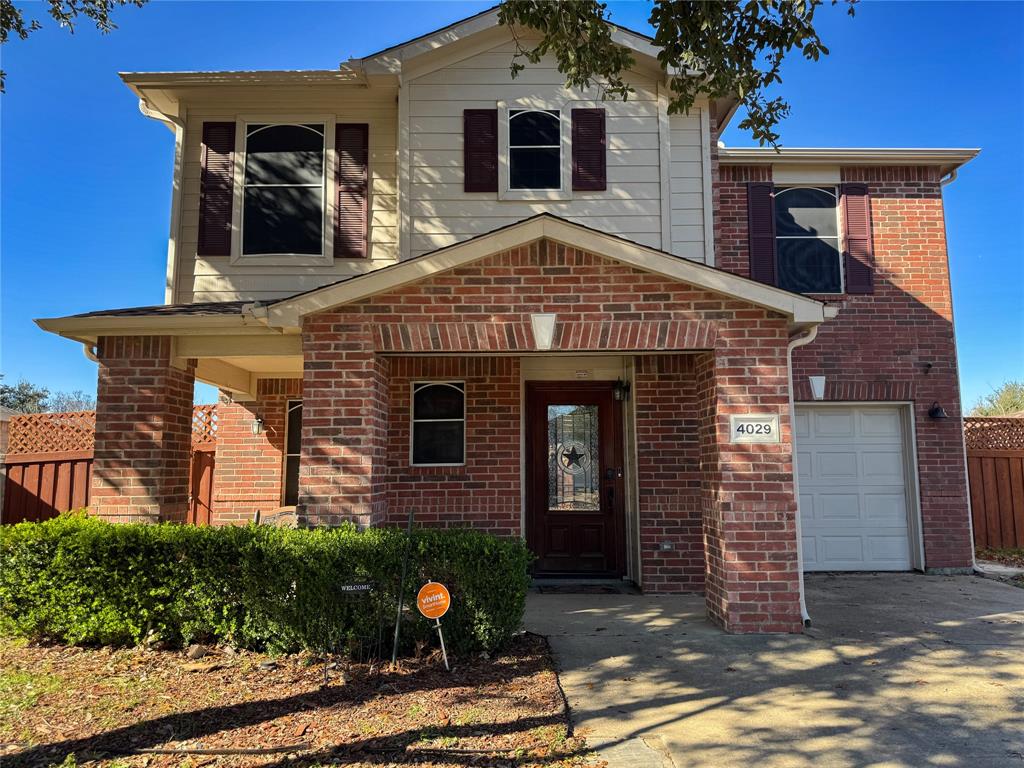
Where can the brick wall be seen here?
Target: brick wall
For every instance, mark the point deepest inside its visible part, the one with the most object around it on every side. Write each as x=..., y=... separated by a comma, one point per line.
x=143, y=431
x=896, y=344
x=249, y=468
x=353, y=386
x=668, y=473
x=486, y=492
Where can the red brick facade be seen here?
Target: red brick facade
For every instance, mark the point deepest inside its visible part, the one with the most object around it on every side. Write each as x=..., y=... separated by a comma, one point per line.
x=249, y=467
x=485, y=493
x=355, y=399
x=143, y=431
x=894, y=345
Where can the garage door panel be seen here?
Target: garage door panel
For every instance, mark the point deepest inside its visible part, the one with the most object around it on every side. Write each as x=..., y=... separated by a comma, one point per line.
x=882, y=466
x=887, y=549
x=833, y=422
x=853, y=499
x=835, y=464
x=840, y=506
x=886, y=508
x=841, y=549
x=802, y=424
x=884, y=422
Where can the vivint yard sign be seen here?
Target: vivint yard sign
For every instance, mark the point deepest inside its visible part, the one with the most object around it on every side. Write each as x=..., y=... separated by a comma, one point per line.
x=754, y=428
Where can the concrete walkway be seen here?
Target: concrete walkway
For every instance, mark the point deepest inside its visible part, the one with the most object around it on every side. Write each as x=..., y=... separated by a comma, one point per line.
x=897, y=670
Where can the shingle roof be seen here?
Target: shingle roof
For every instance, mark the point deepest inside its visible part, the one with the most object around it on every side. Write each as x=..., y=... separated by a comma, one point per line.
x=173, y=310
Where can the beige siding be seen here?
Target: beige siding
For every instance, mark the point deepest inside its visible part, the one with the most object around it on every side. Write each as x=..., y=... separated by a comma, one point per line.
x=440, y=213
x=686, y=171
x=215, y=278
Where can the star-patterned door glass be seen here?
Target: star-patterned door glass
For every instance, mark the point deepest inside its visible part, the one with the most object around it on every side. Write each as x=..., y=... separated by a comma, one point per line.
x=573, y=467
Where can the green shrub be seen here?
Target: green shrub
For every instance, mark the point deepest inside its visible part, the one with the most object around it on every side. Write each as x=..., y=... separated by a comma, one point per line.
x=79, y=580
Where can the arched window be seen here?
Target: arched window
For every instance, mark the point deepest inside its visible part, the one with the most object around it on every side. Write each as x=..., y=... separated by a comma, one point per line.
x=807, y=240
x=283, y=190
x=534, y=149
x=438, y=423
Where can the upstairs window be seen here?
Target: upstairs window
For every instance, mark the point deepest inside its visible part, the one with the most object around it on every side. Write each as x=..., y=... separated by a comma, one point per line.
x=283, y=190
x=438, y=423
x=808, y=253
x=535, y=149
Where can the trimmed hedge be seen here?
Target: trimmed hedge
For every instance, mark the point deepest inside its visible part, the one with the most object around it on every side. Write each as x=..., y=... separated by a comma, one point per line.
x=79, y=580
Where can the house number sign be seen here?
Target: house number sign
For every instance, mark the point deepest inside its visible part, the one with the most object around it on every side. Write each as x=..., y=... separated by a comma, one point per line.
x=754, y=428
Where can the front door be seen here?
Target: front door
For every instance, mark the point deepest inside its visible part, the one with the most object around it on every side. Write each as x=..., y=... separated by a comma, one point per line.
x=574, y=479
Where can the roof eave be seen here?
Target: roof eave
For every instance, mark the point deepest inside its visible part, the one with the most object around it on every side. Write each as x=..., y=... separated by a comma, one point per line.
x=88, y=329
x=947, y=159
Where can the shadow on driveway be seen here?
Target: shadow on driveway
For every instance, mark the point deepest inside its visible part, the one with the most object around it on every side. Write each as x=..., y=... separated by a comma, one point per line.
x=897, y=670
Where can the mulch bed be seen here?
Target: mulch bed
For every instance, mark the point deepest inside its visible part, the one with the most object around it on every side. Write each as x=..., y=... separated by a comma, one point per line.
x=105, y=706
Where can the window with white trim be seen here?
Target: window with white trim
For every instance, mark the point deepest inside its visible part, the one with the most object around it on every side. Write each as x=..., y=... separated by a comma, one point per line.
x=807, y=248
x=438, y=423
x=534, y=149
x=283, y=189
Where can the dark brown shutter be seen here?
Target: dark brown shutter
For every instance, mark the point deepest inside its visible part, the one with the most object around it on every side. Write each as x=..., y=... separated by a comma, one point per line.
x=858, y=250
x=589, y=164
x=216, y=189
x=761, y=229
x=352, y=187
x=480, y=150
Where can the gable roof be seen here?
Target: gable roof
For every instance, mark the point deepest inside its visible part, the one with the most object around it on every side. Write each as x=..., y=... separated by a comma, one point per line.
x=391, y=58
x=287, y=313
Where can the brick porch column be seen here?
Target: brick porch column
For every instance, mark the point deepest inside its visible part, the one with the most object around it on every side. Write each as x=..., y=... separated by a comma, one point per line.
x=342, y=475
x=250, y=468
x=143, y=431
x=747, y=492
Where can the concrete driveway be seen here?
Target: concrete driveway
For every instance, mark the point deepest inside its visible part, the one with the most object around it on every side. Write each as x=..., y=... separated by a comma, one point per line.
x=897, y=670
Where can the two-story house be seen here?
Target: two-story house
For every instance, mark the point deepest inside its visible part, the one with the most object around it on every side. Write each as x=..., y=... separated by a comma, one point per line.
x=422, y=285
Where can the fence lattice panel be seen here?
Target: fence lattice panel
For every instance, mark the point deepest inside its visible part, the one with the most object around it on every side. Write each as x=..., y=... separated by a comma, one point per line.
x=994, y=434
x=995, y=468
x=52, y=432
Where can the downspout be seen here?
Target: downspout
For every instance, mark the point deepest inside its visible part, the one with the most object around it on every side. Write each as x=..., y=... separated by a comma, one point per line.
x=794, y=342
x=176, y=124
x=949, y=178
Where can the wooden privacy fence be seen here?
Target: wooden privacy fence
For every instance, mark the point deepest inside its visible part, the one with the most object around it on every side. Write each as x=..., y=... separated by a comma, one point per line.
x=48, y=465
x=995, y=467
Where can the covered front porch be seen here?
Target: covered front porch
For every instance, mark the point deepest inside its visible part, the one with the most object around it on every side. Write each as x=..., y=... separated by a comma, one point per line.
x=545, y=381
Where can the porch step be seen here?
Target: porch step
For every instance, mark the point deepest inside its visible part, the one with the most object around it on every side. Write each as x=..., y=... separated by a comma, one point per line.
x=583, y=587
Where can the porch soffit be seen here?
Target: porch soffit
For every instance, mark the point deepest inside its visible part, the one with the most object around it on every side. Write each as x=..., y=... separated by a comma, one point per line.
x=287, y=313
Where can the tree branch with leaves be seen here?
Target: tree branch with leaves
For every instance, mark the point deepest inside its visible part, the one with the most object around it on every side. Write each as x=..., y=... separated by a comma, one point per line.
x=719, y=49
x=65, y=12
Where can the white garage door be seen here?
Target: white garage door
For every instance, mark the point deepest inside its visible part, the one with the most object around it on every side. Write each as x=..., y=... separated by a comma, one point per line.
x=853, y=491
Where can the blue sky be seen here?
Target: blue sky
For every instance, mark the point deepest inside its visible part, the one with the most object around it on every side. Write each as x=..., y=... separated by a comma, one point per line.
x=86, y=180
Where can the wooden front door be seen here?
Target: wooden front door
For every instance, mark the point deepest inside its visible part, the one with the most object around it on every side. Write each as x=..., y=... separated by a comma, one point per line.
x=574, y=479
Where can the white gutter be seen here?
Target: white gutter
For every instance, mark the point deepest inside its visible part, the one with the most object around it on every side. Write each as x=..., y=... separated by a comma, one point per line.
x=799, y=341
x=176, y=124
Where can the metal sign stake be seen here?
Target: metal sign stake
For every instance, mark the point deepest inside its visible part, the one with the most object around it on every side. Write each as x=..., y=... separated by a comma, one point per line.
x=444, y=652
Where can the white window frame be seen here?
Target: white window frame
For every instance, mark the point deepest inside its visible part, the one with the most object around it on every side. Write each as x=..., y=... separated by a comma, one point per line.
x=290, y=405
x=839, y=234
x=326, y=255
x=564, y=109
x=413, y=420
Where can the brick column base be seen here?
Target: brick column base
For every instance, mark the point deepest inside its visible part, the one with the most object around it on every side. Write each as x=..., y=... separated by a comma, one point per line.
x=747, y=495
x=143, y=431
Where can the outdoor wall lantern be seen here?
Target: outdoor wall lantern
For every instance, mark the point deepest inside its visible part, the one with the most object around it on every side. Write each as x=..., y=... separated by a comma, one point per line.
x=817, y=387
x=937, y=411
x=621, y=390
x=257, y=426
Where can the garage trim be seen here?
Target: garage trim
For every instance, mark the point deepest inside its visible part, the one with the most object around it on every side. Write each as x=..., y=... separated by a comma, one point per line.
x=908, y=424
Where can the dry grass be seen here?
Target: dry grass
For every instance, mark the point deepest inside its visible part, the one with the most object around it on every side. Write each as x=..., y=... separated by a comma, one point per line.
x=104, y=706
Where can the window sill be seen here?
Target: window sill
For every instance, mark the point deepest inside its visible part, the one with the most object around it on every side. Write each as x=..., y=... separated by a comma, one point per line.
x=282, y=260
x=535, y=194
